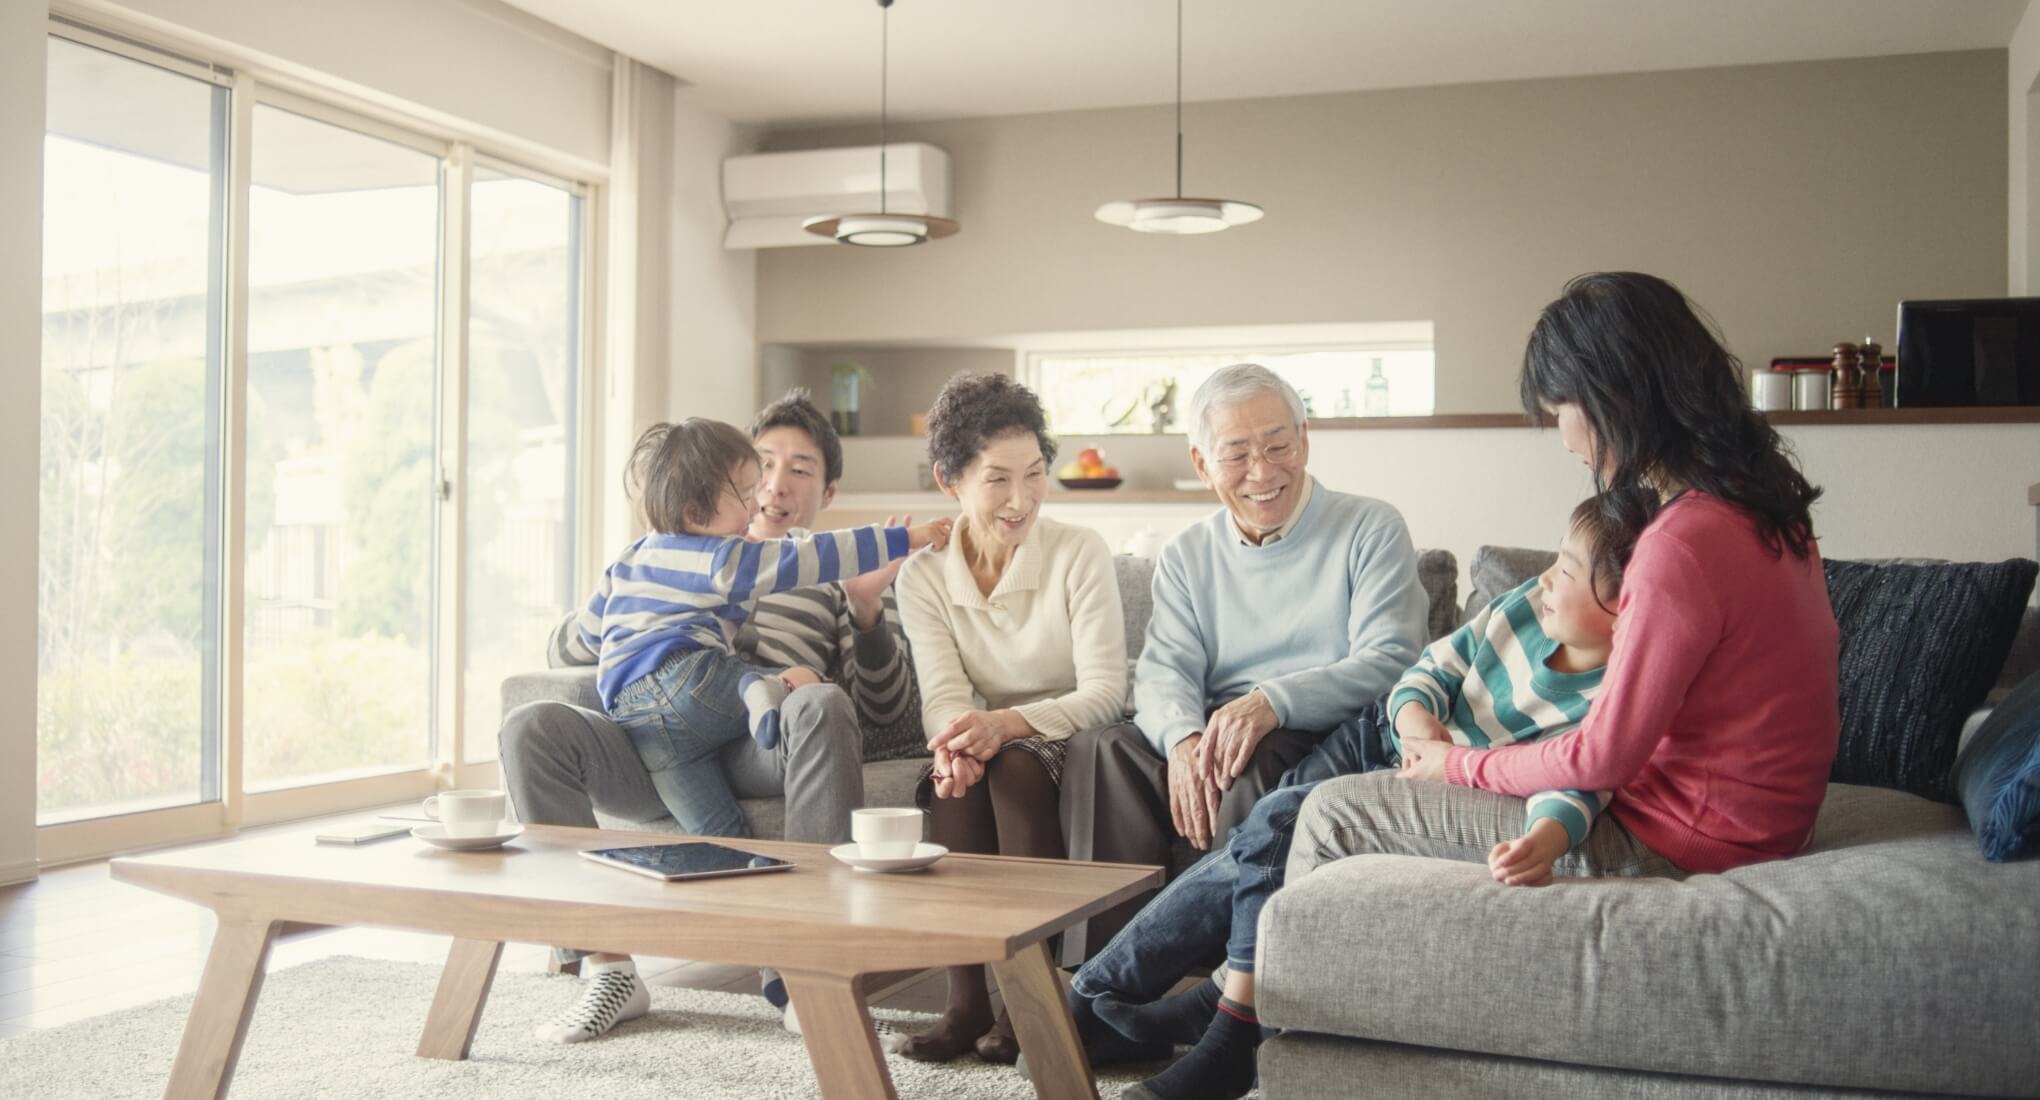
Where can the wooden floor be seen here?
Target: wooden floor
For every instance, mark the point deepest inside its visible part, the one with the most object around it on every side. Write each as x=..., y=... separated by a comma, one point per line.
x=76, y=944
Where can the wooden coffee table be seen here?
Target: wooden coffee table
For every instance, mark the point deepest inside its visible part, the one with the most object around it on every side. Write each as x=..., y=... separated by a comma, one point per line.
x=822, y=924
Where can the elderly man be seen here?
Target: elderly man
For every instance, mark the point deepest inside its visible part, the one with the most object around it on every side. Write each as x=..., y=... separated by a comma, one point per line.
x=1275, y=620
x=563, y=763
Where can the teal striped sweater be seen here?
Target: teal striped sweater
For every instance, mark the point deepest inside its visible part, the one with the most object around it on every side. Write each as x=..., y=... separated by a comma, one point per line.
x=1488, y=684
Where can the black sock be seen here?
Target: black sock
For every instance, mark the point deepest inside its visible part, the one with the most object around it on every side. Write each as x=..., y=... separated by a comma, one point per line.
x=1178, y=1019
x=1219, y=1067
x=1105, y=1046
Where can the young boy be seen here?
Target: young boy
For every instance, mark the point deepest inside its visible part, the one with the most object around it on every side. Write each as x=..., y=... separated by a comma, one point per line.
x=1526, y=666
x=660, y=623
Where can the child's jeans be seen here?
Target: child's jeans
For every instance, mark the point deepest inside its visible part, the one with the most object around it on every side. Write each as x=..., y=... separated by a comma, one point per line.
x=680, y=717
x=1217, y=902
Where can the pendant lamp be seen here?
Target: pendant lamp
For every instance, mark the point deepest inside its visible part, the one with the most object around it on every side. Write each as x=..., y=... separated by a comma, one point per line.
x=1179, y=215
x=883, y=229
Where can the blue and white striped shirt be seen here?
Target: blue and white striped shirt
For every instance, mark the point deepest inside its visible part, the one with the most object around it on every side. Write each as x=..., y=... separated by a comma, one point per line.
x=669, y=593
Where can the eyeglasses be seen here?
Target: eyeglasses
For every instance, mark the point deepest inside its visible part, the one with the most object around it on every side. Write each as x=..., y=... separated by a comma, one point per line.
x=1282, y=452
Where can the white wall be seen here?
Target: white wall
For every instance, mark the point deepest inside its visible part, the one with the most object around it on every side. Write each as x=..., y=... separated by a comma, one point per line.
x=714, y=293
x=481, y=64
x=1798, y=202
x=23, y=58
x=2022, y=120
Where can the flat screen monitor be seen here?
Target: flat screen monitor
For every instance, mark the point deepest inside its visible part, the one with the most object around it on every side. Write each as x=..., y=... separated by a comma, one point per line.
x=1975, y=351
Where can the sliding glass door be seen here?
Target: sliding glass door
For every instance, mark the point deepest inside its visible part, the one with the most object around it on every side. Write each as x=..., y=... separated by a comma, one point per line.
x=343, y=373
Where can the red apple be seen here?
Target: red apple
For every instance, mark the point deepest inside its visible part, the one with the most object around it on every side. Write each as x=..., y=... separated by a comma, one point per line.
x=1089, y=456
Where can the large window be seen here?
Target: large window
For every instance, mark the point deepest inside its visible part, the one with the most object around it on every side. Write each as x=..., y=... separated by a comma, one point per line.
x=1131, y=391
x=133, y=284
x=263, y=317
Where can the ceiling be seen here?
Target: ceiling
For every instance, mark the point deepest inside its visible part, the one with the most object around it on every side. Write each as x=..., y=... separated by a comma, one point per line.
x=791, y=63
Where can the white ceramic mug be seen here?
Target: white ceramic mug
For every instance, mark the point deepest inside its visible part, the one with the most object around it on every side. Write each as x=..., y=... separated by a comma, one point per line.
x=886, y=832
x=467, y=813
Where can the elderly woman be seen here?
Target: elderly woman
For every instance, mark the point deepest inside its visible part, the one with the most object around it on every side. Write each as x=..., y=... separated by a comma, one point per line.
x=1018, y=642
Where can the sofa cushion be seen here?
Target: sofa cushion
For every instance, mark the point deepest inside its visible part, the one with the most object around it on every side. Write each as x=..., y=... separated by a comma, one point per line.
x=1497, y=569
x=1998, y=776
x=1920, y=647
x=1888, y=955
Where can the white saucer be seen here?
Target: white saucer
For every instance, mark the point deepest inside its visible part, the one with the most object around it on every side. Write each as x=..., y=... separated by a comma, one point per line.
x=435, y=835
x=924, y=855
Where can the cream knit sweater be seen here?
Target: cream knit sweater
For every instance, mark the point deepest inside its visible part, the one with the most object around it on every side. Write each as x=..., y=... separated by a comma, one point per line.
x=1049, y=642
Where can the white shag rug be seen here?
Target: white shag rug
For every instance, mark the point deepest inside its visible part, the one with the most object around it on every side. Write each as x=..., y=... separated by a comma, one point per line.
x=349, y=1027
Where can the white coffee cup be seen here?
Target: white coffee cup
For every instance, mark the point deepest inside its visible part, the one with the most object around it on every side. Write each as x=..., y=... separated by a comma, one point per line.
x=886, y=832
x=467, y=813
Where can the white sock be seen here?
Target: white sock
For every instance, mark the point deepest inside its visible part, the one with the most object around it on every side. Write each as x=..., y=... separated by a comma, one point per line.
x=762, y=696
x=612, y=994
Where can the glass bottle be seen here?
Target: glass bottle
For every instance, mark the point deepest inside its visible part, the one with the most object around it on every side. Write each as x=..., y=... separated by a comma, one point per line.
x=1377, y=391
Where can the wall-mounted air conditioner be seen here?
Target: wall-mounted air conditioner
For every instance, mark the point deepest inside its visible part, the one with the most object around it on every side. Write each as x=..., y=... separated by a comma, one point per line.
x=768, y=195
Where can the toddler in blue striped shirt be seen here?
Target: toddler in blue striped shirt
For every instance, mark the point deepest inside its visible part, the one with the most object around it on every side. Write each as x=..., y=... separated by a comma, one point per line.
x=661, y=620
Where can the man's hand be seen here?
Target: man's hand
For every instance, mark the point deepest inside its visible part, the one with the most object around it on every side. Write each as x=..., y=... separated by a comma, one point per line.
x=867, y=590
x=1193, y=798
x=1527, y=860
x=1425, y=760
x=1231, y=735
x=1414, y=723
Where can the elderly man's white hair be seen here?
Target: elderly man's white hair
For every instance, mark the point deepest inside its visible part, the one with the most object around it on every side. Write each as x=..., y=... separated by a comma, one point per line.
x=1231, y=385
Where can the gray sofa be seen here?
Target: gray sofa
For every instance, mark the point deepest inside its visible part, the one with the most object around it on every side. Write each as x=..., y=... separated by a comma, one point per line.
x=1888, y=958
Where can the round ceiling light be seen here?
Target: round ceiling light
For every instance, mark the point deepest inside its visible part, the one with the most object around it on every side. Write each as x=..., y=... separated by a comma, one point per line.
x=1180, y=216
x=884, y=229
x=881, y=230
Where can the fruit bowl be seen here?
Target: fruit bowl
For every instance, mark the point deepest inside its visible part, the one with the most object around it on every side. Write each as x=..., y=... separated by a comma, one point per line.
x=1090, y=482
x=1088, y=471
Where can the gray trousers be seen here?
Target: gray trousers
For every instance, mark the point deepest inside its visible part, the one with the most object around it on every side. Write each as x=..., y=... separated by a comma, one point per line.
x=563, y=764
x=1381, y=813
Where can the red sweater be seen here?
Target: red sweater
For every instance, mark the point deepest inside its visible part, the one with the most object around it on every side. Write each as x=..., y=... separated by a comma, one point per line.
x=1718, y=716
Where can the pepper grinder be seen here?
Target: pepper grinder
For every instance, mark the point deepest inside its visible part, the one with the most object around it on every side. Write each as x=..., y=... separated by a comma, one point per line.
x=1848, y=386
x=1871, y=395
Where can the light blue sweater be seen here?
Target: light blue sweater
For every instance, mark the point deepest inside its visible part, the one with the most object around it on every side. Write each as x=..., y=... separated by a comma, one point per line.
x=1323, y=621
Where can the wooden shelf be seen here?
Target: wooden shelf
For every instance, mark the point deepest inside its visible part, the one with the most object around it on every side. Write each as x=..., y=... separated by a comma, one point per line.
x=937, y=502
x=1981, y=414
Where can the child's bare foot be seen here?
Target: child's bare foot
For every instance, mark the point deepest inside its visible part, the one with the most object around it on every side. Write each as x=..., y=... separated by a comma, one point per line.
x=1527, y=860
x=798, y=677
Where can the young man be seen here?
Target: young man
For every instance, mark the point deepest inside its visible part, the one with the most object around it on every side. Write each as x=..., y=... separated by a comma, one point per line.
x=563, y=763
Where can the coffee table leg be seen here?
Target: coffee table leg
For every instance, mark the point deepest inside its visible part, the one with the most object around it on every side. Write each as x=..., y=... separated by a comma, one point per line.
x=457, y=1007
x=848, y=1062
x=1041, y=1020
x=219, y=1015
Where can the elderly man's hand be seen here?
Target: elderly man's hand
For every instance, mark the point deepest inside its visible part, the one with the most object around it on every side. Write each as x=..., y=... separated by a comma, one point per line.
x=1425, y=760
x=1231, y=735
x=1193, y=798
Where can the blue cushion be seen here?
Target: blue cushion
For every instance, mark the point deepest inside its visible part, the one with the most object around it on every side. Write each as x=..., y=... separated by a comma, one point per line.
x=1998, y=776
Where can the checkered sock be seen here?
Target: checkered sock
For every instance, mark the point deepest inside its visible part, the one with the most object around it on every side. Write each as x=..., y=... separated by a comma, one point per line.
x=612, y=994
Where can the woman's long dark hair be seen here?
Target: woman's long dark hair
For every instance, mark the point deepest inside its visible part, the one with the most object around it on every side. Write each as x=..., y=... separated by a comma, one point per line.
x=1665, y=400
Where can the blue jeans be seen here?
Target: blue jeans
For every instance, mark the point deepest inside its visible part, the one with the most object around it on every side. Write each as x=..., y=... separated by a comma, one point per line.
x=1216, y=904
x=680, y=717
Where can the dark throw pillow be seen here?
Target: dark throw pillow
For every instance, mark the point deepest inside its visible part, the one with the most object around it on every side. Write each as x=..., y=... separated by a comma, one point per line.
x=1998, y=776
x=1920, y=647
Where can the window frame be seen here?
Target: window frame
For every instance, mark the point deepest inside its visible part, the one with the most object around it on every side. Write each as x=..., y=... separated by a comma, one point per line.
x=249, y=83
